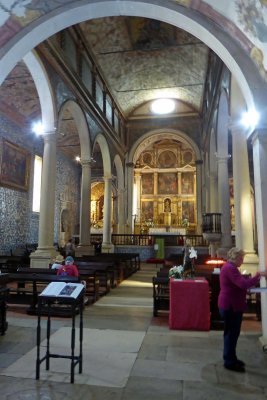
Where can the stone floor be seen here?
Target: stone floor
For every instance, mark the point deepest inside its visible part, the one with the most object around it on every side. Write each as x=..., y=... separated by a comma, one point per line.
x=130, y=355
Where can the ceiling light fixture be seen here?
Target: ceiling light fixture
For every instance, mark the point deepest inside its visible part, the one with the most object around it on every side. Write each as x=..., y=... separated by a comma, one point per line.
x=38, y=128
x=250, y=119
x=163, y=106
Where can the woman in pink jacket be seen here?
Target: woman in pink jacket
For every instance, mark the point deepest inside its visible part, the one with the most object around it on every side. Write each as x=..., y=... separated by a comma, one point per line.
x=232, y=304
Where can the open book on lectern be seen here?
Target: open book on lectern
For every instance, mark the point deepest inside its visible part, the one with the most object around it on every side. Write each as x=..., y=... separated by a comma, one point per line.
x=63, y=289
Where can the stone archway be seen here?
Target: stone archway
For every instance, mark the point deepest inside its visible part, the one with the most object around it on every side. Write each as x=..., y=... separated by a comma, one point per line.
x=221, y=42
x=139, y=146
x=79, y=118
x=104, y=148
x=45, y=252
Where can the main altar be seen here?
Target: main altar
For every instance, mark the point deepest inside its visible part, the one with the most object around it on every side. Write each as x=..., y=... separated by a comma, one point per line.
x=164, y=200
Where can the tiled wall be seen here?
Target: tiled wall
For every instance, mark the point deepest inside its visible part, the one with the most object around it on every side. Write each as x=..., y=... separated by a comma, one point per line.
x=18, y=224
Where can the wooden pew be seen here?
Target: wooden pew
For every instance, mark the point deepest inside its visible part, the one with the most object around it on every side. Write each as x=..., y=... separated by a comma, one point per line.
x=92, y=282
x=161, y=294
x=34, y=283
x=118, y=266
x=103, y=271
x=4, y=292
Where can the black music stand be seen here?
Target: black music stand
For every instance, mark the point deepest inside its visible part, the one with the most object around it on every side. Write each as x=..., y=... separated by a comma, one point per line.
x=48, y=300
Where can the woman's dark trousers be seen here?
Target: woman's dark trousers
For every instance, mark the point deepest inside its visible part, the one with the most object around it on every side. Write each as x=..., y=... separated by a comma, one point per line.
x=232, y=327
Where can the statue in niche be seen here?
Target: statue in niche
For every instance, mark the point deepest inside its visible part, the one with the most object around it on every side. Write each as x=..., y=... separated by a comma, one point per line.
x=167, y=205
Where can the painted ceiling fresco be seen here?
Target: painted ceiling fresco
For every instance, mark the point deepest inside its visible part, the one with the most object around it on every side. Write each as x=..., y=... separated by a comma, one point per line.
x=140, y=58
x=245, y=19
x=143, y=59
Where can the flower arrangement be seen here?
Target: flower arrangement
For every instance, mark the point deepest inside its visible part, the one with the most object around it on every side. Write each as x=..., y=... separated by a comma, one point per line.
x=149, y=223
x=185, y=223
x=176, y=272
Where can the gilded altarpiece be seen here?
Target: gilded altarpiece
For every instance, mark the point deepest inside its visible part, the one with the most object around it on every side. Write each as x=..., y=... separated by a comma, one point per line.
x=168, y=186
x=147, y=183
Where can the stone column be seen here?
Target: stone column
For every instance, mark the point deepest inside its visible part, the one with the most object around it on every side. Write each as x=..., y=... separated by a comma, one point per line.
x=85, y=207
x=46, y=251
x=242, y=199
x=213, y=195
x=107, y=246
x=130, y=167
x=120, y=211
x=199, y=164
x=224, y=205
x=259, y=142
x=138, y=197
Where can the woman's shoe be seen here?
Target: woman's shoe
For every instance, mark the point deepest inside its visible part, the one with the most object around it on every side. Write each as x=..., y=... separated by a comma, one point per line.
x=235, y=367
x=240, y=362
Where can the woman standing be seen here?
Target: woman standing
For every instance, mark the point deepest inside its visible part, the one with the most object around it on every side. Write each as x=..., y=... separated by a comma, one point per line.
x=232, y=304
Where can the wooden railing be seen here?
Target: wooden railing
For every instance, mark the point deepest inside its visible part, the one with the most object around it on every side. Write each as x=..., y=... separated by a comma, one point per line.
x=150, y=240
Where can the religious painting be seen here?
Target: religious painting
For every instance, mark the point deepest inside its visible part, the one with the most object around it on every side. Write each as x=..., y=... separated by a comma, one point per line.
x=167, y=159
x=167, y=183
x=147, y=183
x=188, y=211
x=147, y=210
x=147, y=159
x=188, y=157
x=150, y=34
x=187, y=182
x=14, y=166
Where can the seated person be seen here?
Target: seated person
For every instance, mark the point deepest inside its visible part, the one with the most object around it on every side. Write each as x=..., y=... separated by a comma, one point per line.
x=69, y=269
x=57, y=262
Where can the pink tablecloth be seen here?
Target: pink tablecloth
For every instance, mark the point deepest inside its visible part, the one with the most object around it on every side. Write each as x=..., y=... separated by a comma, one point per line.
x=189, y=305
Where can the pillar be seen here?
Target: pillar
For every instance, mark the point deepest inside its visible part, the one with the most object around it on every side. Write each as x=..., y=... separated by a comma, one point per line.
x=259, y=142
x=120, y=211
x=107, y=246
x=85, y=206
x=242, y=199
x=46, y=251
x=224, y=205
x=199, y=164
x=138, y=197
x=130, y=167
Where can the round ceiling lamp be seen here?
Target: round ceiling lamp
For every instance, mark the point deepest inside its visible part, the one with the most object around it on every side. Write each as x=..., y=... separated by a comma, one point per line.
x=163, y=106
x=250, y=119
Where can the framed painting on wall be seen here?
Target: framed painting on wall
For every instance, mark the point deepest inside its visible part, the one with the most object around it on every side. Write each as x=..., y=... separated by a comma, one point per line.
x=187, y=182
x=147, y=210
x=14, y=166
x=167, y=183
x=188, y=211
x=147, y=183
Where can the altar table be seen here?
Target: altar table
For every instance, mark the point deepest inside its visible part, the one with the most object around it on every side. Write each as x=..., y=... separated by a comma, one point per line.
x=189, y=304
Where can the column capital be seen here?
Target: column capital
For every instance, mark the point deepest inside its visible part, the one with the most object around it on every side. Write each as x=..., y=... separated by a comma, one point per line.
x=107, y=177
x=49, y=137
x=85, y=163
x=130, y=165
x=222, y=158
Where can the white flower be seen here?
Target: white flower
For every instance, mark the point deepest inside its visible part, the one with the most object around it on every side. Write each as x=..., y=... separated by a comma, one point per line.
x=176, y=272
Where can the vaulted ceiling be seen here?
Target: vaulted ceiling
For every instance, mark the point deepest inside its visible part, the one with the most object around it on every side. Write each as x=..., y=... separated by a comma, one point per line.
x=141, y=60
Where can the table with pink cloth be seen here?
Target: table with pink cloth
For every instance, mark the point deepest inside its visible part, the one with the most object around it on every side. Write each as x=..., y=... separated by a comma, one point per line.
x=189, y=304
